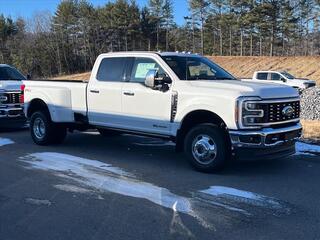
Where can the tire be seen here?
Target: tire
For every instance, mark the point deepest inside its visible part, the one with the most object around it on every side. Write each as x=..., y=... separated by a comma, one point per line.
x=206, y=148
x=108, y=133
x=44, y=131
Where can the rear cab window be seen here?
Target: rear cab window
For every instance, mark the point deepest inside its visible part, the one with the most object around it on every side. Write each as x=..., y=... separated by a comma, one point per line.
x=112, y=69
x=262, y=76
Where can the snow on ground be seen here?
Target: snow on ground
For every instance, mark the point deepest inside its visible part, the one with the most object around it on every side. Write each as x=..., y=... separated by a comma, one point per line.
x=5, y=141
x=242, y=196
x=86, y=176
x=307, y=149
x=104, y=177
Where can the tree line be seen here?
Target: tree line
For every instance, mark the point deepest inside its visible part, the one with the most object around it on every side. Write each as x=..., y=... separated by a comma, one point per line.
x=69, y=40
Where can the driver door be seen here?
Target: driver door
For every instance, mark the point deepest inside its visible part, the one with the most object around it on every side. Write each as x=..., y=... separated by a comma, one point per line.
x=145, y=109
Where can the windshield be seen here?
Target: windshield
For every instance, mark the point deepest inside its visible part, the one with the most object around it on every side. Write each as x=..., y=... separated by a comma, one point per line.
x=287, y=75
x=196, y=68
x=9, y=73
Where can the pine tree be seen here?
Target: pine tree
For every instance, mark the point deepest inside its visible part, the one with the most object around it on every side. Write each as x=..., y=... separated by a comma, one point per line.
x=199, y=9
x=156, y=10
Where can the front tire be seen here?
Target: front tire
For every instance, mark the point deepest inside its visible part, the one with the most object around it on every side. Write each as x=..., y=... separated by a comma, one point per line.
x=44, y=131
x=206, y=147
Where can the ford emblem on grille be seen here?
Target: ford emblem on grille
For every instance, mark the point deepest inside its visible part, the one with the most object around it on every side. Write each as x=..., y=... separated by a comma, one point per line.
x=287, y=111
x=3, y=98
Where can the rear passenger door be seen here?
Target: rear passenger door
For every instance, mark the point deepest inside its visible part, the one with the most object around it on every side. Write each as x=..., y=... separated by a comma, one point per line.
x=104, y=93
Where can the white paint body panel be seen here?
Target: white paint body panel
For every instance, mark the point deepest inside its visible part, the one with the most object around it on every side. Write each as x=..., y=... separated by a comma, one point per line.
x=147, y=108
x=62, y=98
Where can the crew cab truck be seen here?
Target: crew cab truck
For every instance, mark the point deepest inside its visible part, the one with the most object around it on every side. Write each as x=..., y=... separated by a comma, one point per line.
x=186, y=98
x=11, y=102
x=282, y=77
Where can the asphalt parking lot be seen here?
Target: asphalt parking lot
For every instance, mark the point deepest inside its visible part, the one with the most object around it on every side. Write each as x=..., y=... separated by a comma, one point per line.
x=130, y=187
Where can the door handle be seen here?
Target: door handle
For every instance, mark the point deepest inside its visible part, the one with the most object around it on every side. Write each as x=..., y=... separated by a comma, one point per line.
x=94, y=91
x=127, y=93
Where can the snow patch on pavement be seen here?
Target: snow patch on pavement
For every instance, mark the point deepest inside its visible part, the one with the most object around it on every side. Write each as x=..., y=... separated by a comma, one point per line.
x=104, y=177
x=243, y=196
x=72, y=188
x=38, y=202
x=86, y=176
x=5, y=141
x=307, y=149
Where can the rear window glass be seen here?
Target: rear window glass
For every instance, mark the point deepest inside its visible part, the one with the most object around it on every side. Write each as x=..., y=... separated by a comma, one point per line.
x=111, y=69
x=9, y=73
x=262, y=76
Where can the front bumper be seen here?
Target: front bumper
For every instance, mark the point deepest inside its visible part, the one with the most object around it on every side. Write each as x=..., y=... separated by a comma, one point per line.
x=12, y=117
x=265, y=143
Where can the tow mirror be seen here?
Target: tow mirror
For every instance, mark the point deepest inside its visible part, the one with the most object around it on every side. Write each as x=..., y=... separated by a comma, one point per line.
x=154, y=81
x=151, y=78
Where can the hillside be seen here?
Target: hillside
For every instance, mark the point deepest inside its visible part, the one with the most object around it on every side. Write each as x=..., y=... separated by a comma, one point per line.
x=243, y=67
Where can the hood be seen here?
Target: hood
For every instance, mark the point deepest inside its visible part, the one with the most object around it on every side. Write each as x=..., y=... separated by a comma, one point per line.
x=305, y=80
x=245, y=88
x=10, y=85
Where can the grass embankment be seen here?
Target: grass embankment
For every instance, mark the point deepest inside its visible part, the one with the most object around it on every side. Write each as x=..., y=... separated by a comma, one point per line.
x=244, y=67
x=311, y=130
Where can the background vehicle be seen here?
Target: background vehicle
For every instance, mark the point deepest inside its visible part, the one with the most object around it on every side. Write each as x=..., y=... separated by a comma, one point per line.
x=11, y=102
x=182, y=97
x=282, y=77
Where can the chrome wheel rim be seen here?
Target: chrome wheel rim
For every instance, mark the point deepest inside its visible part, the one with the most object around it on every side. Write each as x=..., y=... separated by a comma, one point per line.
x=204, y=149
x=39, y=128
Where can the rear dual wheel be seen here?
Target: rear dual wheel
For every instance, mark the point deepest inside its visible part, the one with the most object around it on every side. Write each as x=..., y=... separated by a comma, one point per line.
x=44, y=131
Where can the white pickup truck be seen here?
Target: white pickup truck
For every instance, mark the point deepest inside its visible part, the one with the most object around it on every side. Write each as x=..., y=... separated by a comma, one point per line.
x=282, y=77
x=11, y=102
x=181, y=97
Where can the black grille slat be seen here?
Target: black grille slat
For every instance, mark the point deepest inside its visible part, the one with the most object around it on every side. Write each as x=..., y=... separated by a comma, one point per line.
x=12, y=98
x=273, y=111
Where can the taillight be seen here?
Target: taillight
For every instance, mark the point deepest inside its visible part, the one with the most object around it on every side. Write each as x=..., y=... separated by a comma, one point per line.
x=22, y=87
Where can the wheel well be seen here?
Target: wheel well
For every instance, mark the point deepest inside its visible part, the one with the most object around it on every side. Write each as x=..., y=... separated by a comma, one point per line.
x=36, y=105
x=198, y=117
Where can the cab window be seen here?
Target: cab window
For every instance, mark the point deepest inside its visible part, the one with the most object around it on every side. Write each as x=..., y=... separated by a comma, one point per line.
x=262, y=76
x=275, y=76
x=140, y=68
x=111, y=69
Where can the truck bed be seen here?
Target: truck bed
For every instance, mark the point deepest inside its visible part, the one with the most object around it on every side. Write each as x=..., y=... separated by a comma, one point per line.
x=64, y=98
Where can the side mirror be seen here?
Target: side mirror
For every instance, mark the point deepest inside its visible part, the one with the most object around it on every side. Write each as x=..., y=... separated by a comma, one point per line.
x=28, y=76
x=155, y=82
x=283, y=79
x=151, y=78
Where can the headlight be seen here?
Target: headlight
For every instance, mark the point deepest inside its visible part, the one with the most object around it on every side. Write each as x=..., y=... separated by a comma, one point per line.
x=250, y=112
